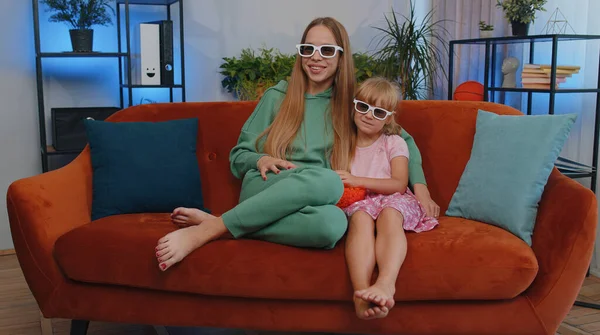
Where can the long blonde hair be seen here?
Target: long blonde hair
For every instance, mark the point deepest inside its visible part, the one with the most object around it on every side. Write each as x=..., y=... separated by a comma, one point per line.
x=380, y=92
x=282, y=132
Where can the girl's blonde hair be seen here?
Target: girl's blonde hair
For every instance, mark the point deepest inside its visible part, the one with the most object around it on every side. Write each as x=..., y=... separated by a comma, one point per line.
x=282, y=132
x=380, y=92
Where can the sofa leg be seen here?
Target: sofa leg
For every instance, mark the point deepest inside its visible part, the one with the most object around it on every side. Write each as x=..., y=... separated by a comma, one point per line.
x=79, y=327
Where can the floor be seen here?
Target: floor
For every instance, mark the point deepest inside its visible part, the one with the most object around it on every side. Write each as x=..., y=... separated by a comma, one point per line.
x=19, y=314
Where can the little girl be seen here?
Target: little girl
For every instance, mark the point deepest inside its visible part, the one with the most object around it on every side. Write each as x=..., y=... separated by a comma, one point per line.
x=380, y=165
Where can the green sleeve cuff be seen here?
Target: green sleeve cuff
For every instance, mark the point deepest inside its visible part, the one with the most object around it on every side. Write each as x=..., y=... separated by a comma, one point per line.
x=245, y=162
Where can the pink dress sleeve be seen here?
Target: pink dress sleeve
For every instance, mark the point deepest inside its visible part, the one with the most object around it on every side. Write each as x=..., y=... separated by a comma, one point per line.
x=396, y=146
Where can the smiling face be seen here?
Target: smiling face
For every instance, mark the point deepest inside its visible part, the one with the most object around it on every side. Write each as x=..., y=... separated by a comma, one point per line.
x=320, y=71
x=150, y=72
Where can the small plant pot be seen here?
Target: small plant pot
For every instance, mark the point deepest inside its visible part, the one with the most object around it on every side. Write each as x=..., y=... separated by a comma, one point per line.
x=486, y=33
x=82, y=39
x=520, y=29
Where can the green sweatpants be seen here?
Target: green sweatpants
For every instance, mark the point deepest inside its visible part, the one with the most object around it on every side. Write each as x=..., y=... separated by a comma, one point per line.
x=295, y=207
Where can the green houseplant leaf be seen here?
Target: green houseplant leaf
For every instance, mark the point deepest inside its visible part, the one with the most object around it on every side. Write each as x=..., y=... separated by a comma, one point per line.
x=250, y=74
x=80, y=14
x=365, y=66
x=521, y=10
x=408, y=52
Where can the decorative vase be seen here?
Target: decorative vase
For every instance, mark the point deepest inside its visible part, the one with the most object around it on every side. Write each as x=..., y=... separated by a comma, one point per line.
x=82, y=39
x=485, y=33
x=519, y=28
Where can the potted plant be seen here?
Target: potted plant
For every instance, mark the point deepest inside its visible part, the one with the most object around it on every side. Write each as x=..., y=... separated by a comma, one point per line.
x=80, y=15
x=365, y=66
x=485, y=30
x=248, y=76
x=411, y=53
x=521, y=13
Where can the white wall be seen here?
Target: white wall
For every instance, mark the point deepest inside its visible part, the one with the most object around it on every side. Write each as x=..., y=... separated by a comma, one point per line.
x=216, y=29
x=213, y=29
x=582, y=17
x=19, y=150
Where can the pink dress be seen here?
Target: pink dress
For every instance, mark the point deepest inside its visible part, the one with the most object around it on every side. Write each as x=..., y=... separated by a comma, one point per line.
x=374, y=161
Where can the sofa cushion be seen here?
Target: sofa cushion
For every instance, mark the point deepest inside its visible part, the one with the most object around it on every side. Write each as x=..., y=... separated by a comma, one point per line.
x=510, y=163
x=460, y=259
x=141, y=167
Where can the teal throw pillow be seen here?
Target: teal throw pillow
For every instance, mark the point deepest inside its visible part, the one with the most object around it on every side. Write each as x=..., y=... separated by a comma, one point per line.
x=511, y=160
x=143, y=167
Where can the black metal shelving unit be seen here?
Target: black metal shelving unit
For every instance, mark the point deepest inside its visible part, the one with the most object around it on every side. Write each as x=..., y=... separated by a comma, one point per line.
x=567, y=167
x=127, y=84
x=124, y=61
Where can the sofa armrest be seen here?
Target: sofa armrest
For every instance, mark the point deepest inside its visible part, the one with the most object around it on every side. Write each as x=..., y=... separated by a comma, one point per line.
x=563, y=241
x=41, y=209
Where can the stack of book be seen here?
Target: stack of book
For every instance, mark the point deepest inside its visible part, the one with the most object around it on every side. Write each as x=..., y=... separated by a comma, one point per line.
x=538, y=76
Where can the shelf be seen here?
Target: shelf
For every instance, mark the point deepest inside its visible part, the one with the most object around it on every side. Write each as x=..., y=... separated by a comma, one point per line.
x=51, y=151
x=575, y=175
x=123, y=35
x=569, y=168
x=574, y=169
x=81, y=54
x=523, y=39
x=152, y=86
x=536, y=90
x=148, y=2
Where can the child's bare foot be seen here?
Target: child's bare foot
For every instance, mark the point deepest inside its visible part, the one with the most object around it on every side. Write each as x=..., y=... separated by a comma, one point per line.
x=176, y=245
x=380, y=294
x=367, y=311
x=185, y=217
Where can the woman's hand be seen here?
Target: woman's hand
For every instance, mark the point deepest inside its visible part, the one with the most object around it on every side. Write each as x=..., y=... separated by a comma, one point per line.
x=422, y=194
x=348, y=179
x=266, y=163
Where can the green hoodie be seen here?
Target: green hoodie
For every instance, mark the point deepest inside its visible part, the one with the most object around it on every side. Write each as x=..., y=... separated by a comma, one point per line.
x=314, y=140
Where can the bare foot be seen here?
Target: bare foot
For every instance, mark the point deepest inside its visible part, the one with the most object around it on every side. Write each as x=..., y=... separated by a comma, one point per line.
x=367, y=311
x=176, y=245
x=185, y=217
x=380, y=294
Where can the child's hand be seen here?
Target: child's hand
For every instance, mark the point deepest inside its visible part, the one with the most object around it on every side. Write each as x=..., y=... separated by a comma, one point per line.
x=348, y=179
x=431, y=208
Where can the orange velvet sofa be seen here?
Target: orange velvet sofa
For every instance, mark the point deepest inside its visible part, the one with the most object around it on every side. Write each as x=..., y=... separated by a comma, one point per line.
x=463, y=277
